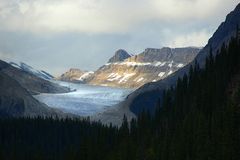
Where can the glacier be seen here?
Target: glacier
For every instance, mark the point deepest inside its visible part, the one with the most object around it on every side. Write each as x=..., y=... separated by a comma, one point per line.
x=84, y=100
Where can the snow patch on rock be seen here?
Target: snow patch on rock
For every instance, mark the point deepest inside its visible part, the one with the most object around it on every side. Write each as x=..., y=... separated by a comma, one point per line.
x=180, y=65
x=170, y=72
x=113, y=77
x=161, y=74
x=140, y=79
x=85, y=76
x=125, y=77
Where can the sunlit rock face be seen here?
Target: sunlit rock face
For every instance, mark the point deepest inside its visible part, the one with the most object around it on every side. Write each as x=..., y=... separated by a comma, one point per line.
x=149, y=66
x=132, y=71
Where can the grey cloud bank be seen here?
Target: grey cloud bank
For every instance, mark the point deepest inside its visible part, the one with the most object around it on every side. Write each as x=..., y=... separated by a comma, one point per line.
x=58, y=34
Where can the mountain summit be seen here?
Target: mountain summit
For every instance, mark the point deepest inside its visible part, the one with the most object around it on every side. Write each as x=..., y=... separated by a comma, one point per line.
x=119, y=56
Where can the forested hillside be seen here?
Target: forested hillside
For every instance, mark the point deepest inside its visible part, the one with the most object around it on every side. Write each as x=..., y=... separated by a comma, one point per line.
x=197, y=120
x=142, y=97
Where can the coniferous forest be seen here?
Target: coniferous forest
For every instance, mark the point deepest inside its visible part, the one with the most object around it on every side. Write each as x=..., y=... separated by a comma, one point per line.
x=197, y=120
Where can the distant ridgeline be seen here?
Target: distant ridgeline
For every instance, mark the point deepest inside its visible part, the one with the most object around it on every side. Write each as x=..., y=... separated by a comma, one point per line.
x=197, y=120
x=132, y=71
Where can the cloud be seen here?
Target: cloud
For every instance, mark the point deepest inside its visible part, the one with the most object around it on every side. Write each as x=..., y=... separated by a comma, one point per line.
x=197, y=39
x=100, y=16
x=6, y=56
x=85, y=33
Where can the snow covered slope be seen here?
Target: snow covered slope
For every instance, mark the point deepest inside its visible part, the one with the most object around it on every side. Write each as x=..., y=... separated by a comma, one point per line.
x=29, y=69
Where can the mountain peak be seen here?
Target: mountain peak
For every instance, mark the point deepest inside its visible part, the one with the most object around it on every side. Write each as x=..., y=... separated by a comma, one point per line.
x=120, y=55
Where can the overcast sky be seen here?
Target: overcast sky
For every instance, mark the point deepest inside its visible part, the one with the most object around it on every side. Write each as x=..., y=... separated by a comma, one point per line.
x=55, y=35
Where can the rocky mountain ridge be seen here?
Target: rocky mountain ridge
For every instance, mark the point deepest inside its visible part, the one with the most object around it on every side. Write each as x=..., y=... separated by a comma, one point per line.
x=29, y=80
x=16, y=89
x=134, y=71
x=31, y=70
x=150, y=93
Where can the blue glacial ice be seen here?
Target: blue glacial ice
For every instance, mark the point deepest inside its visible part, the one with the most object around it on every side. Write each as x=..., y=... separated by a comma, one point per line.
x=86, y=100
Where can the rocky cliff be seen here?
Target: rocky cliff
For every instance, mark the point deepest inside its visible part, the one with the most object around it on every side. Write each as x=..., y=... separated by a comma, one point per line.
x=149, y=66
